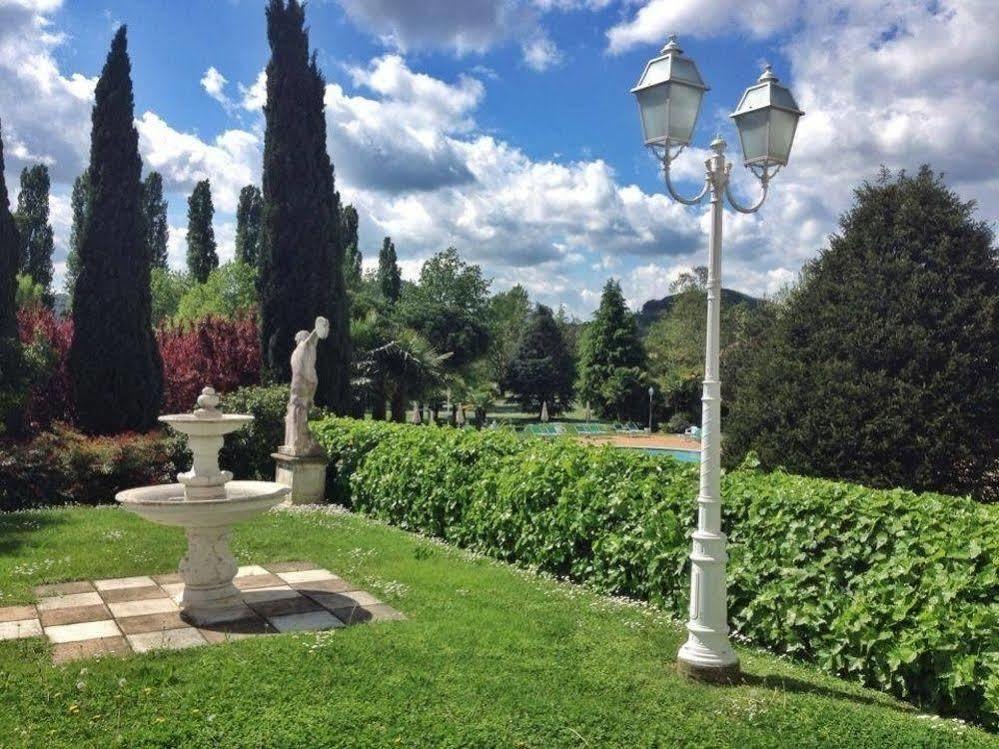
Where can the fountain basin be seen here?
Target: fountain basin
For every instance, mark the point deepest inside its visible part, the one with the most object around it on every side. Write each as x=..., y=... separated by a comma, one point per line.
x=166, y=505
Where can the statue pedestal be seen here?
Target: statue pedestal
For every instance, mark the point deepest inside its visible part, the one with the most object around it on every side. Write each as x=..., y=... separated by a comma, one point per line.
x=305, y=475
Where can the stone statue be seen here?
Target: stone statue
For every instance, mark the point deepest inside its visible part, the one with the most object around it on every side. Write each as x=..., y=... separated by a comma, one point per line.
x=304, y=381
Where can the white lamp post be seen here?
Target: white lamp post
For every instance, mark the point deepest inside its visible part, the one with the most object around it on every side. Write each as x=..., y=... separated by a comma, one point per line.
x=669, y=97
x=652, y=390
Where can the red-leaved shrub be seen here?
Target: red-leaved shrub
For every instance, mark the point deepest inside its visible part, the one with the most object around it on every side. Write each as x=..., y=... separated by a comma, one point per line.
x=48, y=337
x=216, y=351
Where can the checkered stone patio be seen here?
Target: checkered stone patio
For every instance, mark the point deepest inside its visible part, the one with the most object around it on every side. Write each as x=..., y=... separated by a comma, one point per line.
x=138, y=614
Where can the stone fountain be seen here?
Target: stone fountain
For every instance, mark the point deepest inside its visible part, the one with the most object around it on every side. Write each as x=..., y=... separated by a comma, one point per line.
x=206, y=503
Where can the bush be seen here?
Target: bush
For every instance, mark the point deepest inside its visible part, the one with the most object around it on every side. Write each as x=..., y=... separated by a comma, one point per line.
x=895, y=589
x=247, y=451
x=677, y=424
x=230, y=292
x=46, y=338
x=62, y=465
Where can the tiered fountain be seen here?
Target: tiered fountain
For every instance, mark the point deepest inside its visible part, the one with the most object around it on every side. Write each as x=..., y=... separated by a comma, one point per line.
x=206, y=503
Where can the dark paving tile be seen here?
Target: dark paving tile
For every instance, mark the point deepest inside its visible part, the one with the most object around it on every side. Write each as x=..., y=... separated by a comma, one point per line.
x=134, y=625
x=17, y=613
x=121, y=595
x=290, y=566
x=71, y=651
x=64, y=589
x=297, y=605
x=248, y=582
x=345, y=600
x=324, y=586
x=74, y=615
x=173, y=577
x=236, y=630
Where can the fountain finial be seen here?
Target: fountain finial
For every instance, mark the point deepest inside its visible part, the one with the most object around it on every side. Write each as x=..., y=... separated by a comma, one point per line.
x=208, y=403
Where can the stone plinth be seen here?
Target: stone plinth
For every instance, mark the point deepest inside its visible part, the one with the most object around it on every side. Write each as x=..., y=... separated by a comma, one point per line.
x=305, y=475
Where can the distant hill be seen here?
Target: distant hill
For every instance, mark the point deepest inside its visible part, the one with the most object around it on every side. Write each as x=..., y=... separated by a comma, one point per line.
x=653, y=309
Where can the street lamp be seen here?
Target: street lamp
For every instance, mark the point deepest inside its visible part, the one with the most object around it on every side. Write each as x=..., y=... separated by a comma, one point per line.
x=669, y=97
x=652, y=390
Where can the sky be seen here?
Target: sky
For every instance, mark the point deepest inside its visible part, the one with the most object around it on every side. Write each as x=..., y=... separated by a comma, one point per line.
x=506, y=128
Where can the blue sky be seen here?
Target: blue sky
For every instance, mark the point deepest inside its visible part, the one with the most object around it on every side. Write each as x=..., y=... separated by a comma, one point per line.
x=505, y=127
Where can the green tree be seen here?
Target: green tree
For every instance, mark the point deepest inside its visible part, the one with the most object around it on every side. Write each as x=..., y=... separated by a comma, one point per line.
x=114, y=363
x=13, y=385
x=154, y=219
x=389, y=277
x=301, y=255
x=542, y=371
x=229, y=291
x=449, y=307
x=248, y=218
x=612, y=361
x=202, y=254
x=167, y=287
x=32, y=219
x=352, y=253
x=79, y=203
x=509, y=312
x=881, y=367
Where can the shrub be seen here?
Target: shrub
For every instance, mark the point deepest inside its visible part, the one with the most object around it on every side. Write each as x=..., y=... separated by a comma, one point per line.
x=247, y=451
x=46, y=338
x=677, y=424
x=893, y=588
x=63, y=465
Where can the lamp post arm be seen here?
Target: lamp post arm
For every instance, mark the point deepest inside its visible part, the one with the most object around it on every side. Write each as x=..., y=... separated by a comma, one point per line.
x=764, y=181
x=679, y=198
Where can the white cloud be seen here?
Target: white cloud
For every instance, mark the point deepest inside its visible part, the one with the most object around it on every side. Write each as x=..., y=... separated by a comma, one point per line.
x=541, y=53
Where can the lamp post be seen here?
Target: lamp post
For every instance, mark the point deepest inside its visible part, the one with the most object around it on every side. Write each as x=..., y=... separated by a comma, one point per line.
x=651, y=392
x=669, y=97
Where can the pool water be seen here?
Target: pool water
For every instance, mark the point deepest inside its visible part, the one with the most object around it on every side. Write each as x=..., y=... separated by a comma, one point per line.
x=685, y=456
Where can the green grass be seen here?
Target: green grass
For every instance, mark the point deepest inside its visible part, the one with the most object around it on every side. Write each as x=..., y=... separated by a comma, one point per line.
x=489, y=657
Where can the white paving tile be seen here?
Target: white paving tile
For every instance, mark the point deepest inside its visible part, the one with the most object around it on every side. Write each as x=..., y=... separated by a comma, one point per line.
x=270, y=593
x=49, y=603
x=83, y=631
x=251, y=569
x=307, y=576
x=124, y=582
x=167, y=639
x=311, y=621
x=138, y=608
x=19, y=628
x=362, y=598
x=174, y=590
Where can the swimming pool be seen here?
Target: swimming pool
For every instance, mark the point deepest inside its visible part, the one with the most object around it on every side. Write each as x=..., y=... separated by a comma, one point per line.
x=684, y=456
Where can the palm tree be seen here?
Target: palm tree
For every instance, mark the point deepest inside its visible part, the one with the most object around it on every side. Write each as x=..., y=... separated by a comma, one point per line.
x=401, y=369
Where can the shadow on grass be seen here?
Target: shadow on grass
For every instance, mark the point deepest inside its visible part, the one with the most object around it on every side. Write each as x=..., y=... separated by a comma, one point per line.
x=790, y=684
x=16, y=528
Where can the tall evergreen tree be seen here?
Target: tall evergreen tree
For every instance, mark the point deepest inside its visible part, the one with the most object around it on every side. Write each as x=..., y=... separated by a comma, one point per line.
x=154, y=218
x=301, y=255
x=80, y=204
x=248, y=217
x=33, y=225
x=202, y=254
x=114, y=363
x=612, y=360
x=389, y=276
x=12, y=385
x=542, y=370
x=352, y=253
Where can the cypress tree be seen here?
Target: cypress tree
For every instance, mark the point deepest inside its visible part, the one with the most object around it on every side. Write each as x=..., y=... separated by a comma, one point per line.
x=389, y=277
x=33, y=225
x=202, y=254
x=154, y=219
x=352, y=253
x=80, y=204
x=114, y=363
x=248, y=213
x=11, y=357
x=301, y=255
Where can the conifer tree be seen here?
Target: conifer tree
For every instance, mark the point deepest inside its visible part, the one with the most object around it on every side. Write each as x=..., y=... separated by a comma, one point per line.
x=248, y=215
x=389, y=277
x=352, y=253
x=33, y=225
x=12, y=385
x=301, y=255
x=154, y=218
x=542, y=370
x=114, y=363
x=79, y=203
x=202, y=254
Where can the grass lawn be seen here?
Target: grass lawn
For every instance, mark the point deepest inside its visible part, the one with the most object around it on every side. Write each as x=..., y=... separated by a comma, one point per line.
x=489, y=657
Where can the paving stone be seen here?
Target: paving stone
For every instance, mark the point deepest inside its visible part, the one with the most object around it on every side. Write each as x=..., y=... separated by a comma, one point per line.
x=22, y=628
x=285, y=606
x=257, y=581
x=120, y=595
x=74, y=615
x=67, y=601
x=269, y=593
x=124, y=582
x=16, y=613
x=168, y=639
x=134, y=625
x=290, y=567
x=237, y=630
x=71, y=651
x=63, y=589
x=174, y=590
x=306, y=576
x=309, y=621
x=250, y=569
x=227, y=614
x=173, y=577
x=138, y=608
x=360, y=614
x=338, y=585
x=82, y=631
x=353, y=599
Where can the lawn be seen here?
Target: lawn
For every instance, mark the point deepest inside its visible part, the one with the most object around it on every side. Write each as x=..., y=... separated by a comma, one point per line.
x=489, y=657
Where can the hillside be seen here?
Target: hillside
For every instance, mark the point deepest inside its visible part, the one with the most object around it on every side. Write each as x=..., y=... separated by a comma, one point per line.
x=653, y=309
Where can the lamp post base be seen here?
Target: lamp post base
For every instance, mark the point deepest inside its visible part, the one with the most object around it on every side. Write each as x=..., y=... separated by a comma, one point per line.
x=728, y=674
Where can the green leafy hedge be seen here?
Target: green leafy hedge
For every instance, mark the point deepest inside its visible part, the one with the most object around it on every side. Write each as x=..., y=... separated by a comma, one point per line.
x=898, y=590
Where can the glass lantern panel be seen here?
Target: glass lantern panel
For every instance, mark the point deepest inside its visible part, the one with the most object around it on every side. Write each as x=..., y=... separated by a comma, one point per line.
x=782, y=126
x=685, y=70
x=685, y=102
x=782, y=98
x=754, y=98
x=656, y=72
x=653, y=105
x=753, y=134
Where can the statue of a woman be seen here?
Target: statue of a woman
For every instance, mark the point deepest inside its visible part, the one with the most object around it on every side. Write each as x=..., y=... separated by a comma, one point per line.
x=304, y=381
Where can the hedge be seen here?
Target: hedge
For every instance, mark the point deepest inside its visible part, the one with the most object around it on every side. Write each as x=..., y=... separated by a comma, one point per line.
x=897, y=590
